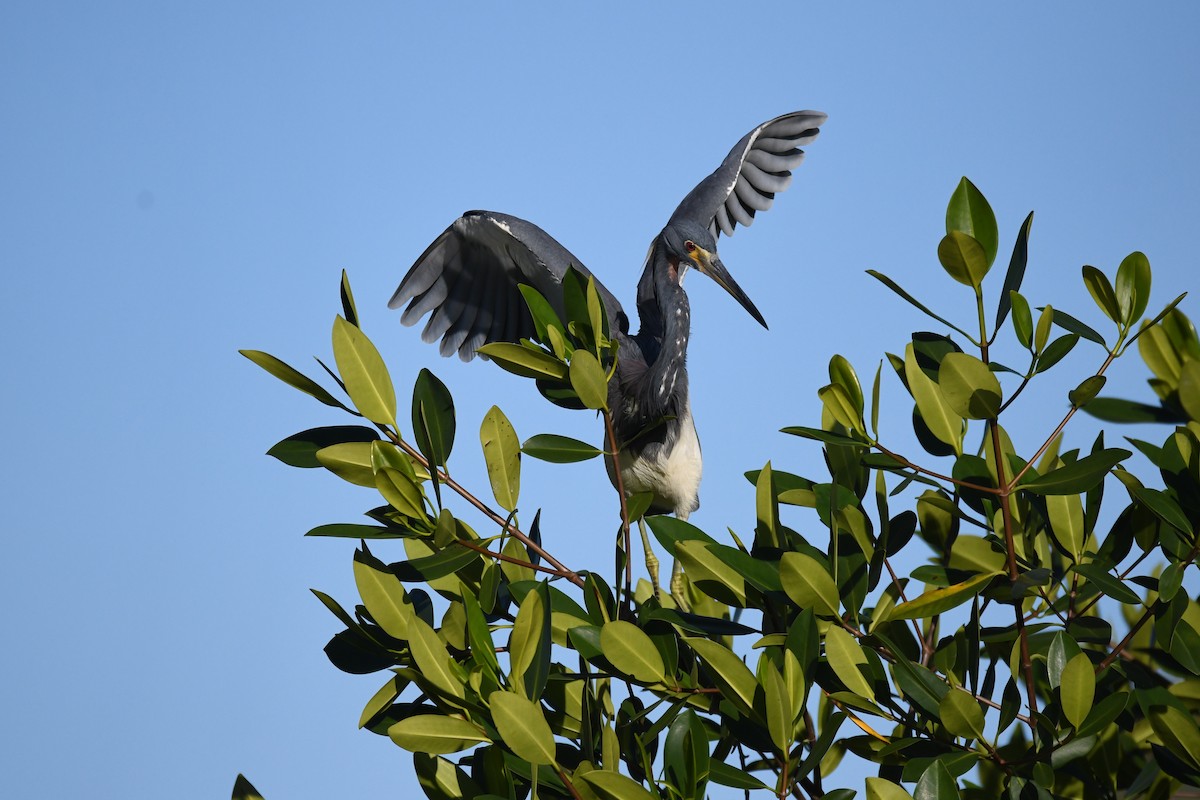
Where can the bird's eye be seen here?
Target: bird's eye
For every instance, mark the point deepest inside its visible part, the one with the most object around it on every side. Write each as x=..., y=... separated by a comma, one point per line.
x=689, y=246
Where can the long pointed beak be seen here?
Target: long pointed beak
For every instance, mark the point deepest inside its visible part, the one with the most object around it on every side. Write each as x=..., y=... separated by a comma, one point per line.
x=713, y=268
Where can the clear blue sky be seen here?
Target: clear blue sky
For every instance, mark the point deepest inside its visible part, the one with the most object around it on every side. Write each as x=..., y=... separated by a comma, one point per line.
x=180, y=181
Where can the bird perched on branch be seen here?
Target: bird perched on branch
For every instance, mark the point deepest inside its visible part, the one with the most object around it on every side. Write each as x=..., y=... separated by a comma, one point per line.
x=467, y=281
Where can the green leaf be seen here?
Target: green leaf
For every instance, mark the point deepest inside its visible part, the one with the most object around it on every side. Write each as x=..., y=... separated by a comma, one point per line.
x=883, y=789
x=838, y=403
x=938, y=601
x=1041, y=334
x=1056, y=351
x=347, y=530
x=588, y=380
x=382, y=699
x=435, y=734
x=936, y=783
x=969, y=213
x=976, y=554
x=822, y=436
x=543, y=313
x=1022, y=319
x=558, y=449
x=632, y=652
x=1086, y=391
x=895, y=287
x=1178, y=733
x=522, y=727
x=1077, y=689
x=433, y=418
x=300, y=449
x=841, y=373
x=686, y=760
x=780, y=711
x=1103, y=713
x=528, y=362
x=1108, y=584
x=502, y=454
x=961, y=714
x=1101, y=290
x=1133, y=286
x=847, y=659
x=808, y=584
x=292, y=377
x=734, y=679
x=963, y=258
x=1113, y=409
x=613, y=786
x=943, y=422
x=1189, y=388
x=244, y=790
x=529, y=644
x=433, y=661
x=704, y=568
x=401, y=492
x=350, y=461
x=1081, y=476
x=1012, y=283
x=1066, y=521
x=970, y=388
x=1072, y=325
x=383, y=594
x=364, y=373
x=726, y=775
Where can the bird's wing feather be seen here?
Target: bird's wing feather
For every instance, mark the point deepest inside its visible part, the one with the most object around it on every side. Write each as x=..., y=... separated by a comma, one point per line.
x=756, y=169
x=468, y=279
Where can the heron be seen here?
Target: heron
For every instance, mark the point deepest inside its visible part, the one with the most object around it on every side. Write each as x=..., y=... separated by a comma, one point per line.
x=467, y=280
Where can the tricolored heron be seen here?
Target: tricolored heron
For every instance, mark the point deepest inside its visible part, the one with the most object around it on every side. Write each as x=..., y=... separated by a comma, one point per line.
x=468, y=279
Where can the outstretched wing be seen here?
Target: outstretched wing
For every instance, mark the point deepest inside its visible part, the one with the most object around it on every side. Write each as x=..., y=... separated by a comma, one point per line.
x=756, y=169
x=468, y=279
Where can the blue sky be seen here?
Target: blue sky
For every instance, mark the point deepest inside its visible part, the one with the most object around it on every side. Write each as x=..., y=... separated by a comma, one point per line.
x=178, y=182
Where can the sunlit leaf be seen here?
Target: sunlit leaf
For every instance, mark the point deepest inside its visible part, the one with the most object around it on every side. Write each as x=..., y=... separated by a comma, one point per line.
x=588, y=380
x=883, y=789
x=938, y=601
x=631, y=651
x=436, y=734
x=970, y=213
x=1101, y=290
x=808, y=583
x=522, y=727
x=969, y=387
x=961, y=714
x=734, y=678
x=846, y=658
x=502, y=454
x=524, y=361
x=963, y=258
x=1078, y=689
x=364, y=373
x=300, y=449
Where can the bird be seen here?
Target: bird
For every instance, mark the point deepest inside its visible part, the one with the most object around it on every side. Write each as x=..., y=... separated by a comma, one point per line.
x=467, y=282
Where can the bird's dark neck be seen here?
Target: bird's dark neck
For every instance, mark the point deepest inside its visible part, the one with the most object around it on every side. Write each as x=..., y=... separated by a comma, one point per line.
x=663, y=309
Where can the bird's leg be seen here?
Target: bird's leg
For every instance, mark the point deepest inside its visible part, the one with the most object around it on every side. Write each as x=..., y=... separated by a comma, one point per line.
x=678, y=586
x=651, y=559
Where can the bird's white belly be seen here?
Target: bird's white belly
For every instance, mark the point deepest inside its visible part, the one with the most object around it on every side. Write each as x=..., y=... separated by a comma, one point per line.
x=674, y=478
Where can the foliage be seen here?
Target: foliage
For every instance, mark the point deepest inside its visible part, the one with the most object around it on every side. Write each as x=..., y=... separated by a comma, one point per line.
x=1047, y=647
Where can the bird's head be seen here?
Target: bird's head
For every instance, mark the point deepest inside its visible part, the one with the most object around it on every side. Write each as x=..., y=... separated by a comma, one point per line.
x=686, y=245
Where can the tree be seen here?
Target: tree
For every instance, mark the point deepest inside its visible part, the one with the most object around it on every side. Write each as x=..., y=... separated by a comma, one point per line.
x=1046, y=649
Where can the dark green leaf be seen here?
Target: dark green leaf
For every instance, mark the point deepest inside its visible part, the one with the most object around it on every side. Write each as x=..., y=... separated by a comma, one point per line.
x=895, y=287
x=1133, y=286
x=433, y=418
x=244, y=790
x=1112, y=409
x=348, y=309
x=1080, y=476
x=1056, y=351
x=558, y=449
x=1068, y=323
x=936, y=783
x=822, y=436
x=300, y=449
x=1012, y=283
